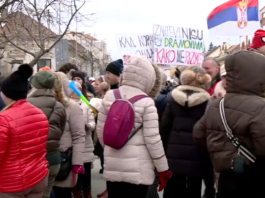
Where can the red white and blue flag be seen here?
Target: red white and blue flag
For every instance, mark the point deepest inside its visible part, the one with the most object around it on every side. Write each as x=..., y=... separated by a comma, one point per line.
x=234, y=18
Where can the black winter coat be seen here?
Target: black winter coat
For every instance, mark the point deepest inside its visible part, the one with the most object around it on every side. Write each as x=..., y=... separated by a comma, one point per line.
x=186, y=106
x=161, y=102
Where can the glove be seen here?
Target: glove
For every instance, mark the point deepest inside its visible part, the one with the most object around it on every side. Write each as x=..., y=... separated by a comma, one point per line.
x=163, y=179
x=78, y=169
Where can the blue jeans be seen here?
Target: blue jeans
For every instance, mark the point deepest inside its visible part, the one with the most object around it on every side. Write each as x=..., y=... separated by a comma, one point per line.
x=52, y=194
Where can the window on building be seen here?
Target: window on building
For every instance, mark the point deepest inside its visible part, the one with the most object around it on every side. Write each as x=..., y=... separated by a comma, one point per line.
x=263, y=15
x=43, y=63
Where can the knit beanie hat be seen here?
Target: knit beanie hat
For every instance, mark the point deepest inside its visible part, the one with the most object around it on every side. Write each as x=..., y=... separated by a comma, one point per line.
x=115, y=67
x=195, y=76
x=78, y=74
x=16, y=86
x=43, y=80
x=258, y=40
x=46, y=68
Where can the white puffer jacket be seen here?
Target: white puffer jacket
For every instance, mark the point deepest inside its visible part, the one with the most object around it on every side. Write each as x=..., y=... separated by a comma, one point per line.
x=136, y=161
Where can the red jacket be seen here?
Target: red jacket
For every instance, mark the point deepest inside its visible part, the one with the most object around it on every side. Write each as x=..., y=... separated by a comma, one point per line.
x=23, y=137
x=211, y=90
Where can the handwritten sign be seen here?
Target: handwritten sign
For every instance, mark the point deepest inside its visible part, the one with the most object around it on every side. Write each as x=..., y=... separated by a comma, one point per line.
x=136, y=44
x=178, y=45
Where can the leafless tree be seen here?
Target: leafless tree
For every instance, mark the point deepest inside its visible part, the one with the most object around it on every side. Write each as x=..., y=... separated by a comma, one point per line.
x=7, y=3
x=35, y=26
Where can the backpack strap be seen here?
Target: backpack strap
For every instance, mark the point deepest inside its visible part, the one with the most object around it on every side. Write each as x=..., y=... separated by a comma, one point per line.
x=133, y=100
x=117, y=94
x=136, y=98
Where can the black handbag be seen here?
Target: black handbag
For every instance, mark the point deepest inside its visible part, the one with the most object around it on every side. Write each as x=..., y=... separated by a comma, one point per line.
x=66, y=165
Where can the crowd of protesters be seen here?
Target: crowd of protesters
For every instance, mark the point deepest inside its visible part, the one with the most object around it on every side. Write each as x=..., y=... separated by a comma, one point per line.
x=150, y=134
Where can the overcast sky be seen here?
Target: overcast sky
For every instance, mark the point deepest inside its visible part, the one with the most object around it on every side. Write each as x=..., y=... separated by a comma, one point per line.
x=138, y=16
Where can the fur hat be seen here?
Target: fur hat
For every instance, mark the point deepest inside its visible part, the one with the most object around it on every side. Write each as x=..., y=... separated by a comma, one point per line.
x=195, y=76
x=115, y=67
x=16, y=85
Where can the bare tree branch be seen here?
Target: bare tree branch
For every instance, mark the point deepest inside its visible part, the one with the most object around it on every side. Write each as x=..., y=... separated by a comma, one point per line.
x=67, y=27
x=7, y=3
x=26, y=27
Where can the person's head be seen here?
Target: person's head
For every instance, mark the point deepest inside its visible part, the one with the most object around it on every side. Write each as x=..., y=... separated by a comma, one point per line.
x=195, y=76
x=245, y=73
x=259, y=41
x=73, y=94
x=141, y=74
x=101, y=86
x=79, y=77
x=114, y=70
x=68, y=69
x=211, y=67
x=43, y=80
x=223, y=76
x=15, y=87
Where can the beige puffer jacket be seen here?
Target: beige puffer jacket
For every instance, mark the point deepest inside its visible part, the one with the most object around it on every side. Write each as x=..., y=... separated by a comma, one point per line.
x=74, y=133
x=89, y=126
x=136, y=161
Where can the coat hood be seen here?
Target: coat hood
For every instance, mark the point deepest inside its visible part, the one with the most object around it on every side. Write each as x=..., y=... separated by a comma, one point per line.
x=189, y=96
x=245, y=73
x=41, y=92
x=59, y=88
x=65, y=84
x=142, y=74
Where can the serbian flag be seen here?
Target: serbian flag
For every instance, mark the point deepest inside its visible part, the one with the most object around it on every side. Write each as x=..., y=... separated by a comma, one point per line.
x=234, y=18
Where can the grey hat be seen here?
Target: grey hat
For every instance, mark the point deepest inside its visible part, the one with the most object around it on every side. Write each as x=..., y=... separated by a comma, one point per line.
x=44, y=80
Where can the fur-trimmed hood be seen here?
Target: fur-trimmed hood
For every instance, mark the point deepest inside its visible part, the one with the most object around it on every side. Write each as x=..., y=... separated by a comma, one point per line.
x=142, y=74
x=189, y=96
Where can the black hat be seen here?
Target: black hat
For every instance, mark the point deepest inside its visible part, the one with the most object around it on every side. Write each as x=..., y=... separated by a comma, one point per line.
x=16, y=86
x=78, y=74
x=115, y=67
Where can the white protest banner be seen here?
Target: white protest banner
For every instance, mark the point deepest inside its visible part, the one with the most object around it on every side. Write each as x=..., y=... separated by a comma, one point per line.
x=178, y=45
x=136, y=44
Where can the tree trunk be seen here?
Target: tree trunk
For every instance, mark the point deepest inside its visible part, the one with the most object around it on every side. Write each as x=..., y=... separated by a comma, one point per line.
x=36, y=58
x=92, y=68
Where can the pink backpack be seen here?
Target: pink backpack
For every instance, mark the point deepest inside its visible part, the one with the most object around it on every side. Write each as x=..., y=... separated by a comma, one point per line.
x=120, y=121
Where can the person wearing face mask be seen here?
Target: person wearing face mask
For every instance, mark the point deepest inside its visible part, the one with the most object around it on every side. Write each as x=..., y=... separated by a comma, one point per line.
x=114, y=70
x=259, y=41
x=79, y=77
x=84, y=180
x=68, y=69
